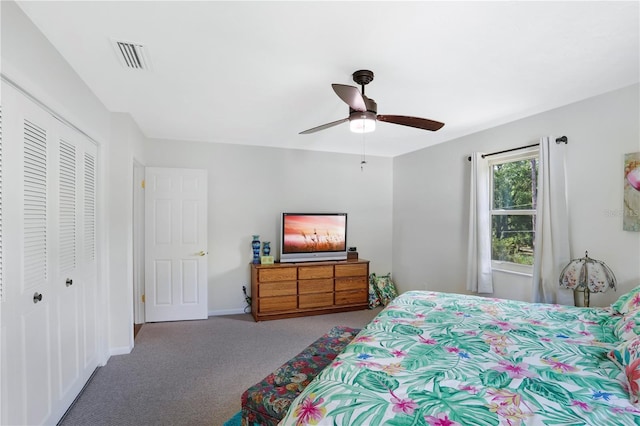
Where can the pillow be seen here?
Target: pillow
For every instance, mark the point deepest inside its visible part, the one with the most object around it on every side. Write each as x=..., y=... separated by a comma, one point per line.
x=628, y=302
x=374, y=299
x=385, y=288
x=628, y=327
x=627, y=357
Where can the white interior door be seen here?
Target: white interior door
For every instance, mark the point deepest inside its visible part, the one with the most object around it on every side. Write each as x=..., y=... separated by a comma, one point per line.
x=175, y=244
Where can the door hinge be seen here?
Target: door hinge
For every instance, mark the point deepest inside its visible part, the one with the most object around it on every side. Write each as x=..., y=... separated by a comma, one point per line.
x=142, y=184
x=143, y=298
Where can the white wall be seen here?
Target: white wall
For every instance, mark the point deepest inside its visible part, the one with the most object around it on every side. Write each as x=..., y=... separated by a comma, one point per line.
x=430, y=210
x=250, y=186
x=127, y=144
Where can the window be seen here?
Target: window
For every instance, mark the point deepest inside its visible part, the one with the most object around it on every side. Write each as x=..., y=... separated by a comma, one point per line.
x=513, y=180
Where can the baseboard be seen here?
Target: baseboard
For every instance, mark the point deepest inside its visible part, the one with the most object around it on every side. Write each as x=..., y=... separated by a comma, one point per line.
x=78, y=395
x=218, y=312
x=122, y=350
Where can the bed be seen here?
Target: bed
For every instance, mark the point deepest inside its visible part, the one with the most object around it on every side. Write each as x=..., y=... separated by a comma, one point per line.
x=434, y=358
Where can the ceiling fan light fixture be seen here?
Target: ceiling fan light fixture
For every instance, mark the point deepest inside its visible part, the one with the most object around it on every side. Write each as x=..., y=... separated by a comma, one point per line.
x=362, y=122
x=363, y=111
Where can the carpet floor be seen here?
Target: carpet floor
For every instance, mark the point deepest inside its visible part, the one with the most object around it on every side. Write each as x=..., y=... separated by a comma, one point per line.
x=194, y=372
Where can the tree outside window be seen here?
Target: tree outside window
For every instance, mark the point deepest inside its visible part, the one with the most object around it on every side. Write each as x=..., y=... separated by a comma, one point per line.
x=513, y=208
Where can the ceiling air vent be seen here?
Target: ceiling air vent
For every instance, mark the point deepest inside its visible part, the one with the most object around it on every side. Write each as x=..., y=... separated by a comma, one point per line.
x=132, y=55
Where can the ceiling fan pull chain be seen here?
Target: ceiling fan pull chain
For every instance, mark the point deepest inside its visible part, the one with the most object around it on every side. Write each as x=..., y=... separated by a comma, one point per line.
x=363, y=161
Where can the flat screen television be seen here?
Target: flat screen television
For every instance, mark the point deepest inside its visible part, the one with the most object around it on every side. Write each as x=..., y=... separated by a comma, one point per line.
x=308, y=237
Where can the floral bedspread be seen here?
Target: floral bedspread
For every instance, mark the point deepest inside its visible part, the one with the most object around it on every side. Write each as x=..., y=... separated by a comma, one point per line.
x=443, y=359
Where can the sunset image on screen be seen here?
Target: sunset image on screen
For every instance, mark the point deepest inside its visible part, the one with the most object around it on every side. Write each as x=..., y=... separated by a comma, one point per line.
x=305, y=234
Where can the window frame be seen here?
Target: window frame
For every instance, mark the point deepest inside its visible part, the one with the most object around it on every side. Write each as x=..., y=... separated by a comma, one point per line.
x=524, y=154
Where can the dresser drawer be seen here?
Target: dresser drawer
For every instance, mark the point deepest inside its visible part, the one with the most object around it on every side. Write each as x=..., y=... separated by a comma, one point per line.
x=287, y=288
x=353, y=283
x=318, y=300
x=352, y=297
x=352, y=270
x=276, y=274
x=310, y=272
x=275, y=304
x=315, y=286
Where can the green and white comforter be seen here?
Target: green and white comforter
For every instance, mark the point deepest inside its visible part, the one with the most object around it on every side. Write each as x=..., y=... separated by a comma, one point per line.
x=443, y=359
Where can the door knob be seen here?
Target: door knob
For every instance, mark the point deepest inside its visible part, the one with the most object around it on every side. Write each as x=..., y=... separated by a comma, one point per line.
x=69, y=282
x=37, y=297
x=202, y=253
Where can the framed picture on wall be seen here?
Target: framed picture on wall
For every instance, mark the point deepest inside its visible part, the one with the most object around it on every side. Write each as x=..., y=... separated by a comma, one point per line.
x=631, y=208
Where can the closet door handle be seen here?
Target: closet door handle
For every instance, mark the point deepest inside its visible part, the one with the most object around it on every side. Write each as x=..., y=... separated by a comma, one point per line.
x=37, y=297
x=69, y=282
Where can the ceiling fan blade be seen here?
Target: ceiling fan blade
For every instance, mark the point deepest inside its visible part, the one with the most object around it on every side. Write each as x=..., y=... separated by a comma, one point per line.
x=418, y=123
x=351, y=96
x=324, y=126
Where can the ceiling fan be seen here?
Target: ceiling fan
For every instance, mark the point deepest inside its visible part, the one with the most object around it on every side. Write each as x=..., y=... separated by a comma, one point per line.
x=363, y=111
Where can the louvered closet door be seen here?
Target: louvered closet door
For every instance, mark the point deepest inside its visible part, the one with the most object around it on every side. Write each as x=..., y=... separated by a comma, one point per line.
x=68, y=298
x=87, y=169
x=49, y=273
x=27, y=349
x=75, y=270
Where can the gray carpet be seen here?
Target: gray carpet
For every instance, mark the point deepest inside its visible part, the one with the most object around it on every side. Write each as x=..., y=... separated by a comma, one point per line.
x=194, y=372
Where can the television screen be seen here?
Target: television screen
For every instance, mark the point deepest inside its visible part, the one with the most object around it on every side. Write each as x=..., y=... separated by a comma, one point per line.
x=313, y=236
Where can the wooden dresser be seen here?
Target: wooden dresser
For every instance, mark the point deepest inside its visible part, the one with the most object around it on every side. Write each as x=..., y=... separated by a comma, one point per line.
x=285, y=290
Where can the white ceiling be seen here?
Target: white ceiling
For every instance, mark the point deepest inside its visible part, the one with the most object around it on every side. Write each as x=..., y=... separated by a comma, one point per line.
x=258, y=73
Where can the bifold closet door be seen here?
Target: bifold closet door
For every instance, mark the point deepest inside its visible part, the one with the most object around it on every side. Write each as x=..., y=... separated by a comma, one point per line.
x=74, y=268
x=49, y=340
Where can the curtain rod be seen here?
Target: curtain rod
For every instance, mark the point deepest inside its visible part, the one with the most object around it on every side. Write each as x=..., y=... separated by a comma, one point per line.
x=561, y=139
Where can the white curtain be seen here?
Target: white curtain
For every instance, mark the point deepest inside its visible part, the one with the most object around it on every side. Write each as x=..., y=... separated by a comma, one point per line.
x=551, y=252
x=479, y=276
